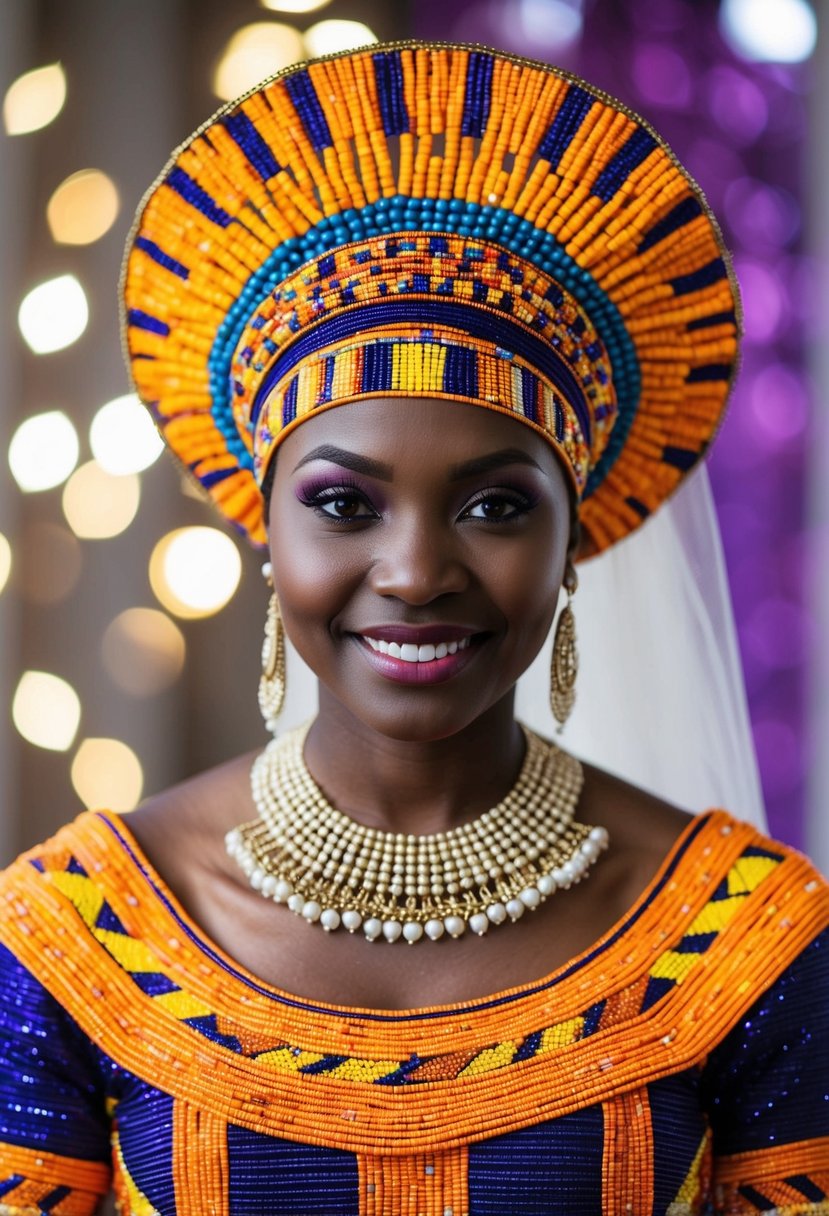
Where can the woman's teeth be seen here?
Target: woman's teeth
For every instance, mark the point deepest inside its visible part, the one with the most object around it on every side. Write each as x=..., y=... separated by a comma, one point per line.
x=410, y=653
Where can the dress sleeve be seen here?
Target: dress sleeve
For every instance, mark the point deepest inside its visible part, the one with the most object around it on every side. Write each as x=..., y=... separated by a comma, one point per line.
x=54, y=1133
x=766, y=1092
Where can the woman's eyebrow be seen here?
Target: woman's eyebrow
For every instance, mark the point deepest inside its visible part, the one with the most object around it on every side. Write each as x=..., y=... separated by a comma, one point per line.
x=492, y=460
x=349, y=460
x=384, y=472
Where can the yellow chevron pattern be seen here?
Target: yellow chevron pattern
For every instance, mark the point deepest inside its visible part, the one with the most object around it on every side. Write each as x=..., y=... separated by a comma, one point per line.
x=673, y=964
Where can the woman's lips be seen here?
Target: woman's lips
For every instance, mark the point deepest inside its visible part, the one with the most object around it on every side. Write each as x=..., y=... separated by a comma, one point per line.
x=419, y=662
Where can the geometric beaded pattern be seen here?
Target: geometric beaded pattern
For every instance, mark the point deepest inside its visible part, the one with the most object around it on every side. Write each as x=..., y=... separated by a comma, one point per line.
x=425, y=315
x=668, y=970
x=364, y=152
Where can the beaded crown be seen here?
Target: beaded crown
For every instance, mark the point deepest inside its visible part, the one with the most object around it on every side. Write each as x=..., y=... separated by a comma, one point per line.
x=438, y=221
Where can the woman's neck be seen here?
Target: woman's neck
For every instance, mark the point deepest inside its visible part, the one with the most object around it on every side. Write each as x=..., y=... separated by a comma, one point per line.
x=414, y=787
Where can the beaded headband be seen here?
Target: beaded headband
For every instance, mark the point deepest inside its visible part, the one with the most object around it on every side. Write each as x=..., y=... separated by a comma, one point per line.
x=422, y=220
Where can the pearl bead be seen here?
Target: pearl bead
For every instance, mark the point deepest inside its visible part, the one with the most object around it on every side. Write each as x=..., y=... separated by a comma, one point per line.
x=296, y=903
x=546, y=884
x=282, y=891
x=455, y=925
x=434, y=929
x=412, y=931
x=515, y=909
x=392, y=930
x=372, y=928
x=479, y=923
x=311, y=910
x=330, y=919
x=530, y=897
x=352, y=919
x=497, y=913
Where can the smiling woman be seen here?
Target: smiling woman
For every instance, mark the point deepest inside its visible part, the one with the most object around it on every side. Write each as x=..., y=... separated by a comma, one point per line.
x=432, y=325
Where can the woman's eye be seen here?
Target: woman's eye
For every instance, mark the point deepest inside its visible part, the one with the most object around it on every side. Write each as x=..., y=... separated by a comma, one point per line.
x=344, y=506
x=496, y=508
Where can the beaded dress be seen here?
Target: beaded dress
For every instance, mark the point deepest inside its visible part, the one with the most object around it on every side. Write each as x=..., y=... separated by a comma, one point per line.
x=677, y=1067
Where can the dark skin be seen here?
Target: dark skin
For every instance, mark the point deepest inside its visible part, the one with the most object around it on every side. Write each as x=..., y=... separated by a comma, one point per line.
x=417, y=538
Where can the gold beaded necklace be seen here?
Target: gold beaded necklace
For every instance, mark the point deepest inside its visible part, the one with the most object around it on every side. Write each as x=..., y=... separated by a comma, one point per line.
x=335, y=872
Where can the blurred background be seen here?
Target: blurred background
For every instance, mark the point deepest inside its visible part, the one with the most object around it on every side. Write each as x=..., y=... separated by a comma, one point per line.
x=130, y=621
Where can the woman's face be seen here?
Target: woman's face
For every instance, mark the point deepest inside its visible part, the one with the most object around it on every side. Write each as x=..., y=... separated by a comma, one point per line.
x=418, y=547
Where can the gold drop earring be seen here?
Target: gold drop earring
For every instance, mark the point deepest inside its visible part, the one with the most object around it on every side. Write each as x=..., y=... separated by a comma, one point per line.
x=272, y=680
x=564, y=665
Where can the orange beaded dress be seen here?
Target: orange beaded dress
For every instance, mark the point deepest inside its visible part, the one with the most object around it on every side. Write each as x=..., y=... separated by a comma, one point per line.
x=677, y=1067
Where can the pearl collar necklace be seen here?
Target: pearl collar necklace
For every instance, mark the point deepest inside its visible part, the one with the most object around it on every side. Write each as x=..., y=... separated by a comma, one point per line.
x=333, y=871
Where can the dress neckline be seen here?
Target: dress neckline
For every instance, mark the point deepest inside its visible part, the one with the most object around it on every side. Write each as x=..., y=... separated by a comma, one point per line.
x=118, y=828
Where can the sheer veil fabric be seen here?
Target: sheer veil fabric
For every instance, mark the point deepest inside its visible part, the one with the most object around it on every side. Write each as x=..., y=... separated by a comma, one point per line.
x=660, y=694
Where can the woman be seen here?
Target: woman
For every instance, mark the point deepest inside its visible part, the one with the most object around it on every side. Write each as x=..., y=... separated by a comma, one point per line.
x=433, y=323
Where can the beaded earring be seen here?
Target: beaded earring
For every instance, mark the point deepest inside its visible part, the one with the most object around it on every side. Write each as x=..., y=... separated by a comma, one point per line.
x=272, y=680
x=564, y=665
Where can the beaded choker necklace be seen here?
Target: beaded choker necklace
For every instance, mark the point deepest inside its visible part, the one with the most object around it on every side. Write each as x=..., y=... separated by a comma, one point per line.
x=335, y=872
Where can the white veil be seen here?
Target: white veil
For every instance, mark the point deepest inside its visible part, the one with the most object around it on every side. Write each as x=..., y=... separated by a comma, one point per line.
x=660, y=698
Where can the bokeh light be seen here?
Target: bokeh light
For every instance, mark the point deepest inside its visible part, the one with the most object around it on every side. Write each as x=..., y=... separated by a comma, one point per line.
x=661, y=75
x=34, y=99
x=46, y=710
x=143, y=651
x=294, y=6
x=253, y=53
x=328, y=37
x=769, y=31
x=107, y=774
x=123, y=436
x=779, y=401
x=5, y=561
x=98, y=505
x=54, y=314
x=194, y=572
x=43, y=451
x=737, y=103
x=51, y=562
x=82, y=208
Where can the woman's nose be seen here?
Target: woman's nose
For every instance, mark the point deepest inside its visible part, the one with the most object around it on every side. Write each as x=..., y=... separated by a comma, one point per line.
x=418, y=563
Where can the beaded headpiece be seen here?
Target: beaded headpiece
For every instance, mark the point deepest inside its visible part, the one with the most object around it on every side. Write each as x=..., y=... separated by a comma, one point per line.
x=420, y=220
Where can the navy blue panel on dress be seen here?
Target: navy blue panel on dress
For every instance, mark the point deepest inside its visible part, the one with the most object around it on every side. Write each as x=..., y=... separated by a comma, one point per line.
x=564, y=126
x=552, y=1169
x=307, y=105
x=631, y=154
x=244, y=133
x=388, y=73
x=678, y=1127
x=282, y=1178
x=145, y=1132
x=49, y=1080
x=478, y=96
x=783, y=1037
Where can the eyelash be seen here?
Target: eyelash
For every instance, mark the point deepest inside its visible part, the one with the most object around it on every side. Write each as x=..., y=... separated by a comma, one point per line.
x=316, y=498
